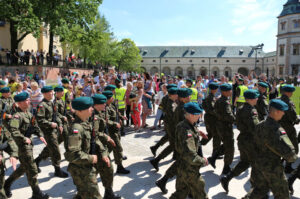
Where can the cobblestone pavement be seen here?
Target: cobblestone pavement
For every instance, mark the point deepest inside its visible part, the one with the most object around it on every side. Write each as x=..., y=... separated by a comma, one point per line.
x=140, y=183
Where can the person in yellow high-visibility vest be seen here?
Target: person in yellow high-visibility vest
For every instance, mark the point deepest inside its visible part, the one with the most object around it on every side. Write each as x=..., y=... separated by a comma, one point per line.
x=2, y=85
x=281, y=84
x=67, y=99
x=119, y=97
x=240, y=99
x=194, y=96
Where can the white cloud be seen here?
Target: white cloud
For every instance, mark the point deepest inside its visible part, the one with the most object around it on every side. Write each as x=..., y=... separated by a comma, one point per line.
x=122, y=34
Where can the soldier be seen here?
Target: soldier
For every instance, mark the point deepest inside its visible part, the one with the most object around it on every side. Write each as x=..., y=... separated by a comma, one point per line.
x=272, y=144
x=224, y=128
x=21, y=126
x=49, y=123
x=240, y=99
x=289, y=119
x=184, y=96
x=189, y=180
x=262, y=104
x=210, y=118
x=246, y=121
x=113, y=130
x=295, y=174
x=169, y=126
x=164, y=139
x=7, y=107
x=104, y=167
x=81, y=162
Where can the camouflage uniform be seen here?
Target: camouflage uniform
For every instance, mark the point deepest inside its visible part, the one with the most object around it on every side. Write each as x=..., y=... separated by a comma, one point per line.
x=61, y=114
x=272, y=144
x=262, y=107
x=224, y=129
x=81, y=165
x=189, y=180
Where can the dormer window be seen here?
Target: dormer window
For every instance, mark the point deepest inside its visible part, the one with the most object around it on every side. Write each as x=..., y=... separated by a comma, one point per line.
x=296, y=23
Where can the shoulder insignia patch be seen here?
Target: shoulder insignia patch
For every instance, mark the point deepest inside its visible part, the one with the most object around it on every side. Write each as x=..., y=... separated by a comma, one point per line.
x=16, y=116
x=255, y=113
x=189, y=135
x=283, y=132
x=228, y=102
x=75, y=131
x=41, y=106
x=95, y=119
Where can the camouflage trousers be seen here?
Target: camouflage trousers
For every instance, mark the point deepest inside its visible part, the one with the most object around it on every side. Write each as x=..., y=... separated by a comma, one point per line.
x=85, y=180
x=226, y=134
x=27, y=165
x=292, y=134
x=52, y=148
x=106, y=173
x=188, y=181
x=118, y=150
x=62, y=137
x=2, y=180
x=212, y=134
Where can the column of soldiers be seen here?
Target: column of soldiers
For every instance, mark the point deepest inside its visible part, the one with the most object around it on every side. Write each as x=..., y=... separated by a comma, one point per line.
x=267, y=136
x=90, y=131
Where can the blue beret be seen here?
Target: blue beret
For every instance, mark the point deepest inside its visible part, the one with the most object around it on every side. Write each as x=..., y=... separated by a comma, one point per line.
x=108, y=94
x=171, y=86
x=279, y=105
x=263, y=84
x=288, y=88
x=110, y=87
x=65, y=81
x=251, y=94
x=184, y=92
x=21, y=97
x=226, y=87
x=193, y=108
x=59, y=89
x=5, y=90
x=46, y=89
x=173, y=91
x=213, y=86
x=82, y=103
x=2, y=83
x=99, y=99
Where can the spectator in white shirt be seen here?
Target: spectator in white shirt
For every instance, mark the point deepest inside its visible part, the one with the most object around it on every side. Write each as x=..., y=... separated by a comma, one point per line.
x=181, y=82
x=158, y=100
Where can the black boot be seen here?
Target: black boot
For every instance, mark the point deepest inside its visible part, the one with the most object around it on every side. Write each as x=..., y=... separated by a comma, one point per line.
x=162, y=184
x=60, y=173
x=38, y=194
x=124, y=157
x=288, y=168
x=122, y=170
x=154, y=163
x=212, y=159
x=153, y=150
x=225, y=181
x=37, y=161
x=109, y=194
x=77, y=197
x=291, y=181
x=226, y=169
x=7, y=186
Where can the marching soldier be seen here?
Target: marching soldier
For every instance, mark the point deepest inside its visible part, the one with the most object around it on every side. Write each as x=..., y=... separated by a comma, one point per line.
x=289, y=119
x=189, y=180
x=49, y=123
x=272, y=144
x=262, y=104
x=79, y=152
x=21, y=126
x=103, y=167
x=246, y=121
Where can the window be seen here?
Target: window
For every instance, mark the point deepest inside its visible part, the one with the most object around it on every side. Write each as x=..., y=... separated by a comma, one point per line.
x=166, y=60
x=178, y=60
x=244, y=61
x=272, y=59
x=215, y=61
x=281, y=70
x=227, y=61
x=296, y=49
x=267, y=60
x=142, y=61
x=203, y=61
x=154, y=60
x=281, y=50
x=257, y=60
x=191, y=60
x=282, y=24
x=296, y=23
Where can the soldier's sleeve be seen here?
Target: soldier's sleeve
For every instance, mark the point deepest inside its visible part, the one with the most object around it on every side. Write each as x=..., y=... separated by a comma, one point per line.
x=14, y=128
x=292, y=113
x=101, y=148
x=189, y=149
x=41, y=117
x=37, y=130
x=74, y=153
x=58, y=108
x=12, y=149
x=228, y=115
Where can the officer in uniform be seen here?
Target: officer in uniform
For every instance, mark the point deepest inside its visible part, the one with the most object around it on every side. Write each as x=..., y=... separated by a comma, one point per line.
x=81, y=162
x=184, y=96
x=240, y=99
x=246, y=121
x=272, y=144
x=224, y=127
x=103, y=167
x=262, y=103
x=169, y=110
x=189, y=180
x=21, y=126
x=164, y=139
x=113, y=130
x=45, y=118
x=120, y=101
x=210, y=118
x=289, y=119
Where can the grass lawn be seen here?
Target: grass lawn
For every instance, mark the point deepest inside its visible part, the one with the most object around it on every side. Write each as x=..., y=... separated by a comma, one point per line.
x=296, y=99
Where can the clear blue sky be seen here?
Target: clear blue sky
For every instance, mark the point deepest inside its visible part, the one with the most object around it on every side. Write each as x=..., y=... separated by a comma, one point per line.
x=195, y=22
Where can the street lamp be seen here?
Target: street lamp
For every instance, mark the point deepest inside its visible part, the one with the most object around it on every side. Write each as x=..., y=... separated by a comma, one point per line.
x=258, y=47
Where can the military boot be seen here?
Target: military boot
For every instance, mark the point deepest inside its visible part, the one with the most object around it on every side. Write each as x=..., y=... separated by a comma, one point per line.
x=37, y=162
x=7, y=186
x=60, y=173
x=288, y=168
x=226, y=169
x=225, y=181
x=153, y=150
x=291, y=181
x=154, y=163
x=122, y=170
x=212, y=160
x=109, y=194
x=162, y=184
x=77, y=197
x=38, y=194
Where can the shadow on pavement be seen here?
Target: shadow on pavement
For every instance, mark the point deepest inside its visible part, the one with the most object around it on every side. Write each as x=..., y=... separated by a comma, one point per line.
x=222, y=195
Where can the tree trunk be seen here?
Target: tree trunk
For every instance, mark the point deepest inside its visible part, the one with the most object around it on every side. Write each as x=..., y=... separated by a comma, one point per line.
x=13, y=36
x=51, y=41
